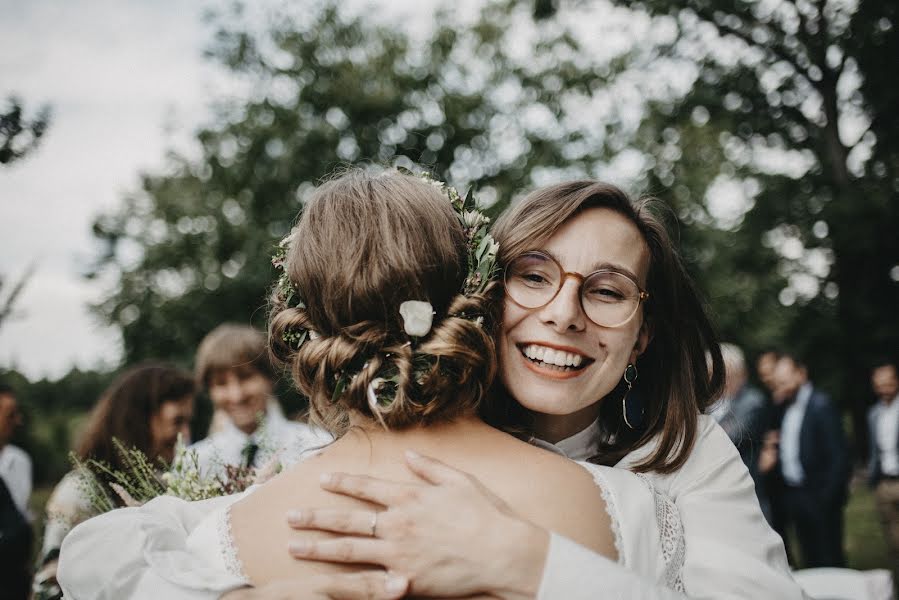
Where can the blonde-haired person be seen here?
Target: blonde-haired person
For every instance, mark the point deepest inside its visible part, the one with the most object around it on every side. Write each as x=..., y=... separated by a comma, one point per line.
x=603, y=357
x=394, y=357
x=232, y=364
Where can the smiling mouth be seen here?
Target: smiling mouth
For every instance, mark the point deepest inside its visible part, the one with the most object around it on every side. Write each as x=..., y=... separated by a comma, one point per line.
x=553, y=359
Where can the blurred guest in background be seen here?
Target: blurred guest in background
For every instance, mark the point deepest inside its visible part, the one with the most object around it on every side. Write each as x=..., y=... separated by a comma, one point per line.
x=812, y=465
x=764, y=367
x=883, y=471
x=742, y=413
x=15, y=488
x=15, y=466
x=232, y=364
x=147, y=407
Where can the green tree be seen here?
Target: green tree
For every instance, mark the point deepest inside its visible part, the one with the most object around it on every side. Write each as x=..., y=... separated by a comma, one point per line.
x=327, y=90
x=797, y=102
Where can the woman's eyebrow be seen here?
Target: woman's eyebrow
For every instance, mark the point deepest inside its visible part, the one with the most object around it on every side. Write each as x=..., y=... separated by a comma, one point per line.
x=599, y=266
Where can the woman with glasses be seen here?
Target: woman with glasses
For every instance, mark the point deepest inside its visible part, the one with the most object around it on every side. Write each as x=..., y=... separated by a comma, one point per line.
x=602, y=357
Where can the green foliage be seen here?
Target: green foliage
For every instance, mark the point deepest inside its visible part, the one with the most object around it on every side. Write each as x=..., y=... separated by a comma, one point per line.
x=326, y=91
x=805, y=263
x=18, y=135
x=793, y=101
x=53, y=410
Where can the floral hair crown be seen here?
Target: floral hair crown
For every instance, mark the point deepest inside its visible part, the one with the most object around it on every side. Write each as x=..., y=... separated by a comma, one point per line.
x=417, y=315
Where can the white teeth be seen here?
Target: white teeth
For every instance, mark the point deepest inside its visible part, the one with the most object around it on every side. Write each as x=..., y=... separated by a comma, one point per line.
x=553, y=357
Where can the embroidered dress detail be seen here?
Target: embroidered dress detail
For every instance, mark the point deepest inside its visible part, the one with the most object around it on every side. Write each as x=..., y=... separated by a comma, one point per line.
x=226, y=543
x=674, y=546
x=608, y=496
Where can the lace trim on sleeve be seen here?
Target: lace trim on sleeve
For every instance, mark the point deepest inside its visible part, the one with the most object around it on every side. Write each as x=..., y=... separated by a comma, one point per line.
x=608, y=497
x=226, y=543
x=674, y=544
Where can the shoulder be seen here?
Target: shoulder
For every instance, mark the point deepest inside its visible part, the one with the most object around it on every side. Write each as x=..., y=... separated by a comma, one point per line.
x=874, y=410
x=713, y=462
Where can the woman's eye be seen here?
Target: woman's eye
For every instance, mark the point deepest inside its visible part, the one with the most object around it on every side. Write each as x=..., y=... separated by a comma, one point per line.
x=534, y=279
x=605, y=294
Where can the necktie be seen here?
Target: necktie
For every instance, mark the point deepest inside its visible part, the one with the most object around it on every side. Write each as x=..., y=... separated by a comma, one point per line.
x=249, y=453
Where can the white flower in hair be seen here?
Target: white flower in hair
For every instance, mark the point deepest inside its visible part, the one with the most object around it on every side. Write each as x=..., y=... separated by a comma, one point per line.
x=417, y=317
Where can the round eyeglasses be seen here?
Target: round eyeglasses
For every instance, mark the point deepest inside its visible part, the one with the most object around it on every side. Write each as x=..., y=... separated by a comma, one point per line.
x=609, y=298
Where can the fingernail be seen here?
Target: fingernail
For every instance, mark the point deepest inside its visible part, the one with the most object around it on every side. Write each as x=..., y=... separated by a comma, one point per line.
x=395, y=584
x=297, y=547
x=325, y=478
x=412, y=455
x=294, y=516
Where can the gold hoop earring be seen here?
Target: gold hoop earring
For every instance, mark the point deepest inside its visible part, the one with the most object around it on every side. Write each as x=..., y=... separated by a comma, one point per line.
x=630, y=376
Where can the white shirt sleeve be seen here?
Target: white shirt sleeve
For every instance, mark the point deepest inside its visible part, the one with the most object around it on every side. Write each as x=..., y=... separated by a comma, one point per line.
x=142, y=553
x=730, y=551
x=573, y=572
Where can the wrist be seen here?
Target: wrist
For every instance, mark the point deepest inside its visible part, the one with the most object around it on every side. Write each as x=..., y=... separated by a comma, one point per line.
x=523, y=557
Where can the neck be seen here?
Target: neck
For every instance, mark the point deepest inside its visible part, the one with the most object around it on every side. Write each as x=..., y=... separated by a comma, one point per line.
x=886, y=400
x=554, y=428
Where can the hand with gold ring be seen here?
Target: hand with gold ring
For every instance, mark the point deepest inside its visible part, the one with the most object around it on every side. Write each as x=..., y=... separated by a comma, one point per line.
x=447, y=533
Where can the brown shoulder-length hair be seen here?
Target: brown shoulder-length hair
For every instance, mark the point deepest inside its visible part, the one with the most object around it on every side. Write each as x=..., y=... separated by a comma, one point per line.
x=676, y=382
x=124, y=409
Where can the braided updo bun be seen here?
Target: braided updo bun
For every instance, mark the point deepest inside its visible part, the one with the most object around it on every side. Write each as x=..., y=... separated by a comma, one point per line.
x=364, y=245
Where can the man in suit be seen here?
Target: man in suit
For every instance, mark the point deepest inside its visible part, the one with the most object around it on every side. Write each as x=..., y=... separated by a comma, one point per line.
x=812, y=466
x=883, y=469
x=742, y=412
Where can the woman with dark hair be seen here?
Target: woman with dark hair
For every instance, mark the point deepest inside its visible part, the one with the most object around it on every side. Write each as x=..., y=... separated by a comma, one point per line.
x=147, y=407
x=602, y=357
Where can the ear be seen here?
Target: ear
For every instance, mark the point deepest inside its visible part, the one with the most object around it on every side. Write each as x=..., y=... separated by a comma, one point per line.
x=643, y=339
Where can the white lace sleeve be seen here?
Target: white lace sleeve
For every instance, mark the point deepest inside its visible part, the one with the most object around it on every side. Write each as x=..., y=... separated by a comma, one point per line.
x=671, y=535
x=649, y=539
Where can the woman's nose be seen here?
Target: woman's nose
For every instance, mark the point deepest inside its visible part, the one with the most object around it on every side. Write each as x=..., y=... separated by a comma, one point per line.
x=564, y=312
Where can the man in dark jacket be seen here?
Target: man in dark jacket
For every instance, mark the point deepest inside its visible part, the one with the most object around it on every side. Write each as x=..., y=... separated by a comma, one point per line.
x=812, y=466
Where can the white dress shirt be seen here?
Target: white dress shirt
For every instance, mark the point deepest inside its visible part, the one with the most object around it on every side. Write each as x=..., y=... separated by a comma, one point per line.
x=15, y=469
x=276, y=435
x=888, y=437
x=790, y=465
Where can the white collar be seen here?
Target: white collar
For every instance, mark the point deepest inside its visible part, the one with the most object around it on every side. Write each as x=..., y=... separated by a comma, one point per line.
x=272, y=421
x=580, y=446
x=803, y=395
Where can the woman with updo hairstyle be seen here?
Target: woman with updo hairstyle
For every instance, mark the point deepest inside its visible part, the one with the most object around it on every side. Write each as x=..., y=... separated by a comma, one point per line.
x=419, y=253
x=384, y=325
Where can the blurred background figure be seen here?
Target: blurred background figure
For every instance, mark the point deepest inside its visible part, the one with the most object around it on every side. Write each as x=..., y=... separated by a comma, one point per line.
x=15, y=465
x=883, y=470
x=15, y=488
x=808, y=477
x=147, y=407
x=742, y=413
x=764, y=367
x=232, y=365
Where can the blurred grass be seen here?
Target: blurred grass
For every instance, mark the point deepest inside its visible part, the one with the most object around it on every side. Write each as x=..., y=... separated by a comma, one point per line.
x=866, y=546
x=863, y=538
